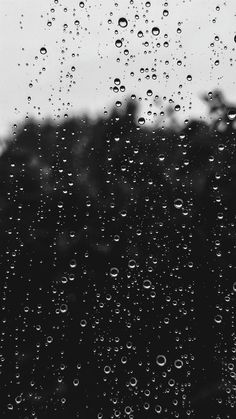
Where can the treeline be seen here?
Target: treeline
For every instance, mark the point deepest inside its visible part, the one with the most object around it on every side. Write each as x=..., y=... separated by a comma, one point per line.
x=81, y=197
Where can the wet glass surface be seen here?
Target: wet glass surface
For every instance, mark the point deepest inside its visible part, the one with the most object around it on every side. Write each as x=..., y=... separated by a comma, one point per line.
x=117, y=209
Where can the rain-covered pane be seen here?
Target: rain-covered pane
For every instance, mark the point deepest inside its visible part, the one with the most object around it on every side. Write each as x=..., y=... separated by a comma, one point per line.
x=117, y=209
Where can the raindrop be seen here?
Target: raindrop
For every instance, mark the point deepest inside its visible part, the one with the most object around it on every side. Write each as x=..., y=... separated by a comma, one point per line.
x=231, y=114
x=73, y=263
x=114, y=272
x=43, y=51
x=218, y=318
x=63, y=308
x=83, y=323
x=149, y=92
x=161, y=360
x=158, y=408
x=122, y=22
x=178, y=363
x=76, y=382
x=141, y=121
x=107, y=369
x=178, y=203
x=133, y=381
x=132, y=264
x=161, y=157
x=118, y=43
x=155, y=31
x=147, y=284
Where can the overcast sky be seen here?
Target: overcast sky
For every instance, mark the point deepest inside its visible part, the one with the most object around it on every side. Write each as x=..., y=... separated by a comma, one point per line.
x=81, y=61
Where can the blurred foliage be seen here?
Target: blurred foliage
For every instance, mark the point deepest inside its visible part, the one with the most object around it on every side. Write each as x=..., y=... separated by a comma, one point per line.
x=102, y=192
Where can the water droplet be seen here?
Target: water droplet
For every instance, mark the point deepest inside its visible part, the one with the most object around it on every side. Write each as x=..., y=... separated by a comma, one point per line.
x=76, y=382
x=114, y=272
x=132, y=264
x=141, y=121
x=117, y=81
x=155, y=31
x=158, y=408
x=118, y=43
x=133, y=381
x=231, y=114
x=178, y=363
x=218, y=318
x=63, y=308
x=107, y=369
x=43, y=51
x=73, y=263
x=147, y=284
x=178, y=203
x=18, y=399
x=122, y=22
x=161, y=360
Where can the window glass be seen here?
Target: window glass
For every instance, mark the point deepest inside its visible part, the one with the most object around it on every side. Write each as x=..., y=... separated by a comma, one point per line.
x=117, y=209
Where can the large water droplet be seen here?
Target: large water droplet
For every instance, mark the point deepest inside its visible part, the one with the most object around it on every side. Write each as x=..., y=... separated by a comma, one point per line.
x=231, y=114
x=114, y=272
x=178, y=203
x=122, y=22
x=118, y=43
x=155, y=31
x=43, y=51
x=161, y=360
x=158, y=408
x=141, y=121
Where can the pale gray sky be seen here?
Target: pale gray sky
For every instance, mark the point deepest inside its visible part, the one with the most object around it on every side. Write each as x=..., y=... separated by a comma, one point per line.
x=57, y=89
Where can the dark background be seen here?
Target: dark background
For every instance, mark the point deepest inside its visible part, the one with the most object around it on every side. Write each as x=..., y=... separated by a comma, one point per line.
x=81, y=197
